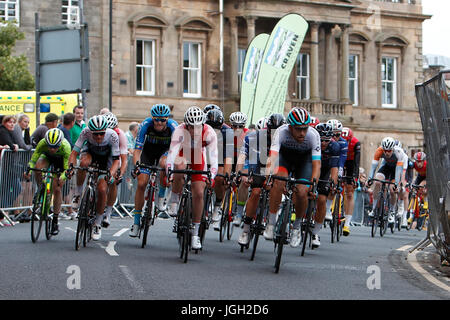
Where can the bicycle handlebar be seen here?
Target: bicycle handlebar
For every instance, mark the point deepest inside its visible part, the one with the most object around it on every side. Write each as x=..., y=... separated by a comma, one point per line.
x=58, y=172
x=370, y=181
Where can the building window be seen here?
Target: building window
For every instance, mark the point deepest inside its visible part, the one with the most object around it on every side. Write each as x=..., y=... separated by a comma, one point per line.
x=303, y=76
x=145, y=67
x=70, y=12
x=9, y=10
x=353, y=78
x=241, y=59
x=389, y=82
x=192, y=69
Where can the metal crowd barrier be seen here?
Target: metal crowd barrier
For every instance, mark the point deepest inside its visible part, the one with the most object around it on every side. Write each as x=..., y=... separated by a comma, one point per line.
x=433, y=101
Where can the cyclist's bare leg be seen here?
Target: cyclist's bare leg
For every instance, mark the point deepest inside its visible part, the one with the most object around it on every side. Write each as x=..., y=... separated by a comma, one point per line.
x=40, y=164
x=140, y=192
x=219, y=187
x=198, y=187
x=349, y=203
x=57, y=196
x=321, y=208
x=85, y=161
x=102, y=189
x=376, y=190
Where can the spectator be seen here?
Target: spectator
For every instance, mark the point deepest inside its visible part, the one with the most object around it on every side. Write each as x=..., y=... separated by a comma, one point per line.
x=79, y=123
x=104, y=110
x=21, y=133
x=131, y=136
x=251, y=128
x=51, y=121
x=6, y=133
x=68, y=121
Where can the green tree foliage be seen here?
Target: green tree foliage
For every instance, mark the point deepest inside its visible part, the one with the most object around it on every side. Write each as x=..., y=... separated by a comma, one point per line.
x=14, y=72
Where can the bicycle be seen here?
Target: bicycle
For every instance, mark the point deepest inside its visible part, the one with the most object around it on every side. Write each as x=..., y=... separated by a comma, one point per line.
x=86, y=213
x=284, y=225
x=258, y=226
x=228, y=207
x=183, y=221
x=148, y=219
x=416, y=206
x=41, y=203
x=382, y=210
x=337, y=212
x=208, y=208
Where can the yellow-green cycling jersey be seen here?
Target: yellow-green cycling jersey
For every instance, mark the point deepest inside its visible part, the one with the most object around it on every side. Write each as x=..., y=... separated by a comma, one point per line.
x=59, y=159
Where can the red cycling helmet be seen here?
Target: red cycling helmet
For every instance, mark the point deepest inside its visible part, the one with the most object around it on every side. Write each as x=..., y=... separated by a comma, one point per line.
x=347, y=133
x=420, y=156
x=314, y=122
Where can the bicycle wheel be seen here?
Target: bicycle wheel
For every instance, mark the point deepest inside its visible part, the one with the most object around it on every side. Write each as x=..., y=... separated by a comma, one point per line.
x=224, y=218
x=383, y=220
x=205, y=215
x=257, y=227
x=375, y=221
x=82, y=220
x=333, y=222
x=147, y=219
x=280, y=234
x=47, y=218
x=187, y=229
x=36, y=213
x=230, y=224
x=306, y=232
x=180, y=225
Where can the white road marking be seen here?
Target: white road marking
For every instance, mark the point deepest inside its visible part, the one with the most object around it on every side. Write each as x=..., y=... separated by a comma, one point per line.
x=120, y=232
x=404, y=248
x=110, y=248
x=136, y=285
x=68, y=228
x=413, y=262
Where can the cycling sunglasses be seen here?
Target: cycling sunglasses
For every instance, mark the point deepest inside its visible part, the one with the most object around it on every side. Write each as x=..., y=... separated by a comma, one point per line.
x=98, y=133
x=238, y=126
x=160, y=119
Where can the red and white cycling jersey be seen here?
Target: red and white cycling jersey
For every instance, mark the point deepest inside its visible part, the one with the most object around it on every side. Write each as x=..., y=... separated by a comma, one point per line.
x=194, y=148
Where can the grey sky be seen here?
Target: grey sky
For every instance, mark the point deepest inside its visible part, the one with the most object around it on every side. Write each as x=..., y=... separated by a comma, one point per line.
x=436, y=31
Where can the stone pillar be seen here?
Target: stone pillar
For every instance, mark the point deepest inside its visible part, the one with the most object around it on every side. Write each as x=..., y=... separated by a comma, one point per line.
x=344, y=64
x=234, y=89
x=314, y=75
x=250, y=28
x=329, y=63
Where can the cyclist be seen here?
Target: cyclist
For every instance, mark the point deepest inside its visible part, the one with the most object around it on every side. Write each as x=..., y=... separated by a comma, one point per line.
x=296, y=149
x=261, y=123
x=113, y=124
x=54, y=150
x=215, y=119
x=420, y=166
x=253, y=157
x=193, y=142
x=152, y=143
x=238, y=120
x=211, y=106
x=96, y=144
x=351, y=171
x=314, y=122
x=403, y=191
x=393, y=168
x=328, y=171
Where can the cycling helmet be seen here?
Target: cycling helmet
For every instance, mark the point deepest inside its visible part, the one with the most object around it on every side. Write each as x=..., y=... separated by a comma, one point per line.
x=98, y=123
x=160, y=111
x=275, y=120
x=54, y=137
x=398, y=144
x=388, y=143
x=325, y=130
x=335, y=124
x=194, y=116
x=209, y=107
x=262, y=123
x=238, y=118
x=214, y=118
x=314, y=122
x=111, y=119
x=298, y=117
x=347, y=133
x=420, y=156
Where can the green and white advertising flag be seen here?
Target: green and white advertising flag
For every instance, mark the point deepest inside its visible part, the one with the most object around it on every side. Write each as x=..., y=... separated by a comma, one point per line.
x=250, y=71
x=279, y=58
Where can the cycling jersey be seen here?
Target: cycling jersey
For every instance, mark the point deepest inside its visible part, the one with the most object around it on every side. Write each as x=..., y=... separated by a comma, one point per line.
x=330, y=159
x=123, y=141
x=396, y=163
x=225, y=145
x=238, y=142
x=343, y=155
x=60, y=159
x=256, y=149
x=194, y=149
x=421, y=171
x=156, y=141
x=351, y=165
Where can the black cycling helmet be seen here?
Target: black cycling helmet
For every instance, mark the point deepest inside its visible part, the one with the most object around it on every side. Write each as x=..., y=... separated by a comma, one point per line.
x=211, y=106
x=214, y=118
x=325, y=130
x=275, y=120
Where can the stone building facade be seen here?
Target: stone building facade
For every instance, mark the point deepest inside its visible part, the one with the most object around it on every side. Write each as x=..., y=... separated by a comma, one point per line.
x=359, y=62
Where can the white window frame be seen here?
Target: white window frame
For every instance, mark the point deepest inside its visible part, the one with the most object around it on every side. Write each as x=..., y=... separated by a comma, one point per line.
x=17, y=11
x=384, y=64
x=241, y=59
x=190, y=68
x=72, y=10
x=354, y=81
x=144, y=67
x=299, y=77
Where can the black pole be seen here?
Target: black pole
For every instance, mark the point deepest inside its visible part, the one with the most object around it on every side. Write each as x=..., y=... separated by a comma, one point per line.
x=110, y=54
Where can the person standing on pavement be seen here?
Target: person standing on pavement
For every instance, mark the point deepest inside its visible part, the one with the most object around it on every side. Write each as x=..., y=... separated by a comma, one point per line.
x=51, y=121
x=131, y=135
x=68, y=121
x=21, y=133
x=79, y=124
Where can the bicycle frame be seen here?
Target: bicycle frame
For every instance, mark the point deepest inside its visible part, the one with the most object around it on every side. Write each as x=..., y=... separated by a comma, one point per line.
x=383, y=206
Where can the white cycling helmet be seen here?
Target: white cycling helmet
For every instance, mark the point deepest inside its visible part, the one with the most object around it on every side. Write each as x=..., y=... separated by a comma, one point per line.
x=399, y=144
x=388, y=143
x=194, y=116
x=238, y=118
x=335, y=124
x=262, y=123
x=111, y=119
